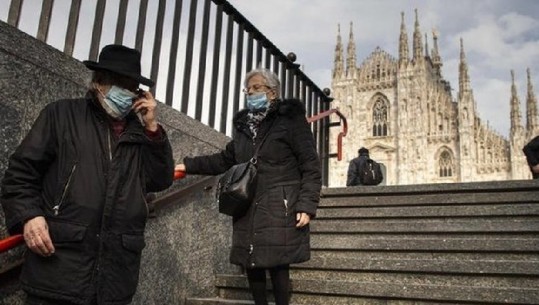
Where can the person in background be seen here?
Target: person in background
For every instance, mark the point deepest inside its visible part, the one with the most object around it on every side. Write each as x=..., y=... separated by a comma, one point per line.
x=76, y=185
x=531, y=150
x=354, y=166
x=274, y=232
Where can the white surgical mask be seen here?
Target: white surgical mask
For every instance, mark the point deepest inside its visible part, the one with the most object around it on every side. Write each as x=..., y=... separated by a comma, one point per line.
x=257, y=101
x=118, y=102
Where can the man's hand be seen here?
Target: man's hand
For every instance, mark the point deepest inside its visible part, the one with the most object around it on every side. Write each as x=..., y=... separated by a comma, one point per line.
x=535, y=168
x=37, y=238
x=302, y=219
x=146, y=105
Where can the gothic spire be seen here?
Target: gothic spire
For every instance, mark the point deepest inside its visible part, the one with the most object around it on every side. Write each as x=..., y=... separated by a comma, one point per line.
x=532, y=125
x=339, y=60
x=418, y=45
x=403, y=42
x=436, y=59
x=351, y=55
x=464, y=79
x=516, y=118
x=426, y=46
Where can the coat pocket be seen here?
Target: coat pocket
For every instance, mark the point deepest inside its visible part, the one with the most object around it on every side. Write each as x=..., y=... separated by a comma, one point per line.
x=69, y=270
x=290, y=195
x=62, y=232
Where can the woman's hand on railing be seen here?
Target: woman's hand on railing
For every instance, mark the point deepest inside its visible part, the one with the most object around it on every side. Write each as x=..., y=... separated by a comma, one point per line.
x=179, y=171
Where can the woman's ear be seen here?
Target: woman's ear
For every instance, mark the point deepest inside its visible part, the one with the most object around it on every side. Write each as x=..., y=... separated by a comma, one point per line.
x=272, y=94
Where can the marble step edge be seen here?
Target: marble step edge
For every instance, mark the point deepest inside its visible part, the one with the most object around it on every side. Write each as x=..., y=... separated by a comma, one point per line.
x=439, y=266
x=424, y=292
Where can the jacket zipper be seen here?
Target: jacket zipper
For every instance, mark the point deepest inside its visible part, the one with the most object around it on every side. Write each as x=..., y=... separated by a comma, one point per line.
x=56, y=208
x=110, y=146
x=101, y=234
x=251, y=245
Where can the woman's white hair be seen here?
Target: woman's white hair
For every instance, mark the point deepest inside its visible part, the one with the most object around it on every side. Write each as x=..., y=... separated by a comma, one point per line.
x=272, y=80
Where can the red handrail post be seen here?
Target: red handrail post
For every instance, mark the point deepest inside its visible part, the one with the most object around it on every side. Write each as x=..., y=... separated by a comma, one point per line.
x=342, y=134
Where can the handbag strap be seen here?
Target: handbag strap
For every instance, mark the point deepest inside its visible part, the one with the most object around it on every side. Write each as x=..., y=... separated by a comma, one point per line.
x=255, y=155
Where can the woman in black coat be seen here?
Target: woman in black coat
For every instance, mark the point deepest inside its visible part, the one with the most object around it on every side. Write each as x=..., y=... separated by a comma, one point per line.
x=274, y=232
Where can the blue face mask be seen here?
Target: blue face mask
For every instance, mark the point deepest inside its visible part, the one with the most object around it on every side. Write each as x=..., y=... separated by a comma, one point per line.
x=118, y=102
x=257, y=101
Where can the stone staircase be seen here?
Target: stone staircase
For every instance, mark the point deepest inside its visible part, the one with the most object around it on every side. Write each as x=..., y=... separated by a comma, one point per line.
x=474, y=243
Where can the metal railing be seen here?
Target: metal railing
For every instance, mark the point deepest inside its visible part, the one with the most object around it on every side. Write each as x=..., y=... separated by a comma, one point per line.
x=208, y=42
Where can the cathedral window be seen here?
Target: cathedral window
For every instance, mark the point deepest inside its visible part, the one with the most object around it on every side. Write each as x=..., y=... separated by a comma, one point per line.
x=445, y=165
x=379, y=118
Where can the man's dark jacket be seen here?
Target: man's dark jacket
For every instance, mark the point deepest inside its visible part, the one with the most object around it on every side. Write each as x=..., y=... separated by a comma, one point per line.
x=353, y=169
x=91, y=190
x=289, y=181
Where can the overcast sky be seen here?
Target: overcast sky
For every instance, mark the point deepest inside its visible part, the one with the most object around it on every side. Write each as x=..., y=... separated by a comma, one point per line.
x=499, y=35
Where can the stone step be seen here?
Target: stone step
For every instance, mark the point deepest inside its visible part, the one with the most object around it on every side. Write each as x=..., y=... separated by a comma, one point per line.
x=313, y=299
x=526, y=209
x=426, y=242
x=424, y=264
x=415, y=289
x=405, y=278
x=457, y=256
x=420, y=225
x=216, y=301
x=425, y=199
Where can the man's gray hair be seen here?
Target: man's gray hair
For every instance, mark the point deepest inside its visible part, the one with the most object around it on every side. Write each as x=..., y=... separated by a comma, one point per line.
x=272, y=80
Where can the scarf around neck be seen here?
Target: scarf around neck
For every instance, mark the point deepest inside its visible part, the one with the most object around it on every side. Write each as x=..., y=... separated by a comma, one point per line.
x=254, y=118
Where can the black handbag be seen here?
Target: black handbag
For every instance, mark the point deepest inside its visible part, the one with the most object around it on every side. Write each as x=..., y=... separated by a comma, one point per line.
x=237, y=186
x=235, y=190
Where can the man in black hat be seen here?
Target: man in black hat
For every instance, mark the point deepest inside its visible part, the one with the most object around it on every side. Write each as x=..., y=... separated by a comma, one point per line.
x=76, y=187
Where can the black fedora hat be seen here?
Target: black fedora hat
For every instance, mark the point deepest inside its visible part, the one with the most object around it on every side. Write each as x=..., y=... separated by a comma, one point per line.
x=121, y=60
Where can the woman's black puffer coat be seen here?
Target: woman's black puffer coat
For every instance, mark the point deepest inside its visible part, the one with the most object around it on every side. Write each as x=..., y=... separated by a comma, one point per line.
x=288, y=182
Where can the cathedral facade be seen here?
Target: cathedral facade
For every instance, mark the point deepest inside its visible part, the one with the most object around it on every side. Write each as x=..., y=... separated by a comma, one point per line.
x=403, y=111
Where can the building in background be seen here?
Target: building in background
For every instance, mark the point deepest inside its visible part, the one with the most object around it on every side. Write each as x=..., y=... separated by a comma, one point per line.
x=403, y=111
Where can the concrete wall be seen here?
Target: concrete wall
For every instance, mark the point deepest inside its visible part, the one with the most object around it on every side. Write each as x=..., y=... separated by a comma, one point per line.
x=186, y=242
